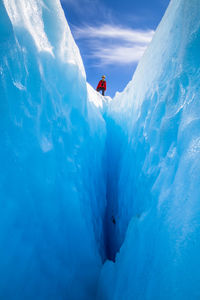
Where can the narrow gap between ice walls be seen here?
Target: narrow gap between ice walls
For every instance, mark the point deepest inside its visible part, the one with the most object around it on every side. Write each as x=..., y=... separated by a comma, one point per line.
x=115, y=141
x=114, y=223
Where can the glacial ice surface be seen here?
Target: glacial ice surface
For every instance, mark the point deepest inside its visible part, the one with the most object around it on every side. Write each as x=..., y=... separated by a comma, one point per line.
x=52, y=187
x=157, y=172
x=71, y=160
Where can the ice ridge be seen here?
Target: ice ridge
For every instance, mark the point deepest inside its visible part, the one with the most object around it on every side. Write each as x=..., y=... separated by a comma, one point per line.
x=86, y=181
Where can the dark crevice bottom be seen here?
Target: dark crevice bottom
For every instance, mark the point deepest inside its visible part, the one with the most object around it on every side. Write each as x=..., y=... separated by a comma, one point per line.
x=115, y=141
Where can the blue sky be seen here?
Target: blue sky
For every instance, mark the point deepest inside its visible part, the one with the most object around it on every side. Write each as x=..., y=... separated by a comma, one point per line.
x=112, y=36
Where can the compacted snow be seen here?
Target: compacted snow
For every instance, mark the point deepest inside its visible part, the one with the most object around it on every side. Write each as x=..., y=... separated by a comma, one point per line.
x=99, y=197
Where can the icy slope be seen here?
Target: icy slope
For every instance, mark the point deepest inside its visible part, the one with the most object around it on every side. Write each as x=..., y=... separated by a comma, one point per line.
x=52, y=188
x=158, y=168
x=82, y=176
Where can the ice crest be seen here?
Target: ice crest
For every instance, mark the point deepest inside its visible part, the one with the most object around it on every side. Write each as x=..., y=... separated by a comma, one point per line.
x=87, y=181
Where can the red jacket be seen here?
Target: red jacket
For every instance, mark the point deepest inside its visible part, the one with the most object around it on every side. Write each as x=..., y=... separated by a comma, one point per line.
x=102, y=84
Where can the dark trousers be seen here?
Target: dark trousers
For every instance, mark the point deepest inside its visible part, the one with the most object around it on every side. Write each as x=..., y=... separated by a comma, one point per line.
x=101, y=89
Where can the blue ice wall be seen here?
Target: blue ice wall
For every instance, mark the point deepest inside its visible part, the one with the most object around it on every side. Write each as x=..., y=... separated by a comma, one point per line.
x=158, y=169
x=52, y=188
x=71, y=162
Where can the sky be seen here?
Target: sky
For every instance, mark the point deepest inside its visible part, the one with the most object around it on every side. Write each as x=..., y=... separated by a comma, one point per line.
x=112, y=36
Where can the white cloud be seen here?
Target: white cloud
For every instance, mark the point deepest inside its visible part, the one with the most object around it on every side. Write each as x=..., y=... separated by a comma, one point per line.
x=119, y=55
x=114, y=44
x=114, y=32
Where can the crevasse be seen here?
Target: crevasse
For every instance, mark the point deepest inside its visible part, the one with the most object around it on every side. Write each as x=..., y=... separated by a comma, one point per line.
x=72, y=160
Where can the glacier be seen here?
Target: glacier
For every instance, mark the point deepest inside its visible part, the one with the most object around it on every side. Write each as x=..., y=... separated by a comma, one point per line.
x=72, y=160
x=158, y=169
x=52, y=181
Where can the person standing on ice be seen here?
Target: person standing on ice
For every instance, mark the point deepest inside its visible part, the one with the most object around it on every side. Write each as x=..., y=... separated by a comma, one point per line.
x=102, y=85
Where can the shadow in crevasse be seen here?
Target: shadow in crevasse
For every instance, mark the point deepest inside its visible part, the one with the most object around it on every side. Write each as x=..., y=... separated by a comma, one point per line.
x=115, y=142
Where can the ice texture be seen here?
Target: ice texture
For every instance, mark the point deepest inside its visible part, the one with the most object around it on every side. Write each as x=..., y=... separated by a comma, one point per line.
x=84, y=178
x=157, y=171
x=52, y=187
